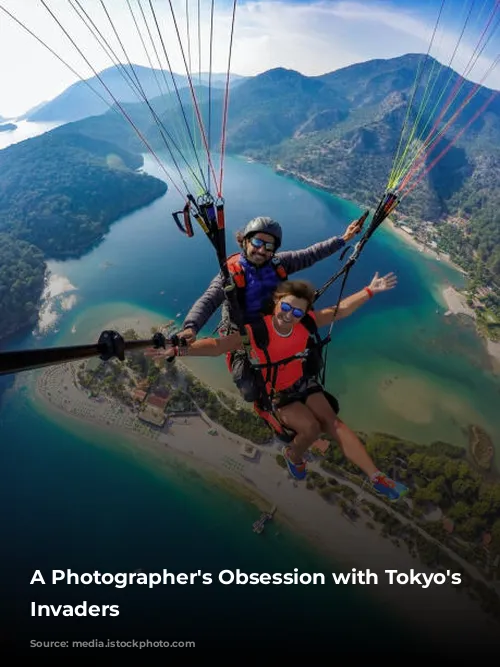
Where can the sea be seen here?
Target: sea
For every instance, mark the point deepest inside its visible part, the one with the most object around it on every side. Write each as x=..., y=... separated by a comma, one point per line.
x=75, y=499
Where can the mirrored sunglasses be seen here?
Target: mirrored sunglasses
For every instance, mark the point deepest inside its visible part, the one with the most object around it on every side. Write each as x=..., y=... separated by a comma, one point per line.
x=259, y=243
x=287, y=308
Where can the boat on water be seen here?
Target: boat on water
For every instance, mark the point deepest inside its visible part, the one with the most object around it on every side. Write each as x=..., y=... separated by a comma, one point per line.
x=258, y=526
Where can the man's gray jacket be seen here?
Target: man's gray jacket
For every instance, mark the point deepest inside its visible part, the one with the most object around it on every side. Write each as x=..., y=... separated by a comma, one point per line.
x=292, y=261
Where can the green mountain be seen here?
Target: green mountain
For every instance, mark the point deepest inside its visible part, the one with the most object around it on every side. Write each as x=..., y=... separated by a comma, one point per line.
x=62, y=190
x=22, y=279
x=59, y=194
x=341, y=131
x=279, y=104
x=123, y=84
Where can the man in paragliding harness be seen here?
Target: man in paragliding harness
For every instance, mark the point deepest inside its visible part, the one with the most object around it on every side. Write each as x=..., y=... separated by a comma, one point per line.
x=280, y=343
x=256, y=271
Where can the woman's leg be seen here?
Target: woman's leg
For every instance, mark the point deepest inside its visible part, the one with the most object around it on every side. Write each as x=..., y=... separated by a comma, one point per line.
x=300, y=419
x=349, y=442
x=353, y=447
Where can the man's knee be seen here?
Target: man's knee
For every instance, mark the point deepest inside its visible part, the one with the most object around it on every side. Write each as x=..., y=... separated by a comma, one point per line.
x=244, y=378
x=247, y=389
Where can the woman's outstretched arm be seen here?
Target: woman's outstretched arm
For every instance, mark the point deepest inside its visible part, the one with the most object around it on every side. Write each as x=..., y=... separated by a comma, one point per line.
x=348, y=305
x=207, y=347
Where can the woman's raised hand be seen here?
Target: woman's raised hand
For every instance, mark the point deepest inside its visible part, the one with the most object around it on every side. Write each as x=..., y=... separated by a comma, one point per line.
x=383, y=284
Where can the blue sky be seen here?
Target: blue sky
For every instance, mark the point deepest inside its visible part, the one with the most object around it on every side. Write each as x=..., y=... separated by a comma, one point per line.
x=310, y=37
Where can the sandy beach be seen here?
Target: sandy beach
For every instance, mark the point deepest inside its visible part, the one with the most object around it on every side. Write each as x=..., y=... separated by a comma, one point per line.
x=219, y=457
x=494, y=352
x=414, y=243
x=456, y=302
x=457, y=305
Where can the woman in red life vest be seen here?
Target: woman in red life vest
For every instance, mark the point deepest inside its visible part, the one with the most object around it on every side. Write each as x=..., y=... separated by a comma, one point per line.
x=299, y=401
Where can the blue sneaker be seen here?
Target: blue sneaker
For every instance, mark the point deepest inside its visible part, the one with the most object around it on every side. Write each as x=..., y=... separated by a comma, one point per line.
x=296, y=470
x=388, y=487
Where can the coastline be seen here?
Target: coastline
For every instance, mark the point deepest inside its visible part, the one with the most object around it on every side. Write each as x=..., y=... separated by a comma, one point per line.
x=456, y=302
x=453, y=299
x=457, y=305
x=493, y=348
x=412, y=241
x=262, y=482
x=388, y=222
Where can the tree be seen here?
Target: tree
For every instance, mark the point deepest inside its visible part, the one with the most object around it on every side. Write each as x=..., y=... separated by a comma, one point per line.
x=325, y=492
x=471, y=529
x=495, y=537
x=465, y=488
x=460, y=511
x=432, y=466
x=490, y=494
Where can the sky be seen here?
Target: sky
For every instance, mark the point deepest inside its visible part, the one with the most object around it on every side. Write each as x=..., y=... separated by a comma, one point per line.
x=311, y=37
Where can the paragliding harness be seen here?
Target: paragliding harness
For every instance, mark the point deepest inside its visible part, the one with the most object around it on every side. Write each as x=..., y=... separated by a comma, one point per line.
x=312, y=358
x=238, y=363
x=210, y=216
x=238, y=274
x=265, y=408
x=266, y=374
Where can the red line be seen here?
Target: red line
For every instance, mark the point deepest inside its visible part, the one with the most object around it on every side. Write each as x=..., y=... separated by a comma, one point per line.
x=458, y=135
x=447, y=105
x=195, y=101
x=226, y=105
x=437, y=139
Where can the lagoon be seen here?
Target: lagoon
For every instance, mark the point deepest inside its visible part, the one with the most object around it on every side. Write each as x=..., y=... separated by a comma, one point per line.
x=79, y=502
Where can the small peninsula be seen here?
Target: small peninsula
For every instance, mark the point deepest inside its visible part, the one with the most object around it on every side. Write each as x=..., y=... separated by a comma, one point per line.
x=59, y=194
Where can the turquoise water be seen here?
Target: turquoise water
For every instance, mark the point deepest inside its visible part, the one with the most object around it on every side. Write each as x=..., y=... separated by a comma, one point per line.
x=77, y=500
x=443, y=368
x=74, y=505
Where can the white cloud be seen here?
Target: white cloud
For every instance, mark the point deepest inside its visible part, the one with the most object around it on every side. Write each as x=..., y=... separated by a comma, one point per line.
x=466, y=54
x=311, y=37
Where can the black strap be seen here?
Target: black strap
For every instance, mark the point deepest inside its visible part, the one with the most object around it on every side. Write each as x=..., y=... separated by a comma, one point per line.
x=329, y=337
x=271, y=368
x=386, y=205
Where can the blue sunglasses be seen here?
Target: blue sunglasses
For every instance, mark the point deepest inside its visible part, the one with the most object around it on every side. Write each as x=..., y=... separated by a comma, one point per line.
x=258, y=243
x=287, y=308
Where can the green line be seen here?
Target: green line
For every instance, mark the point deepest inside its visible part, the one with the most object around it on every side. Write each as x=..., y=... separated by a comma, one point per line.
x=397, y=160
x=462, y=106
x=425, y=98
x=198, y=138
x=467, y=70
x=406, y=167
